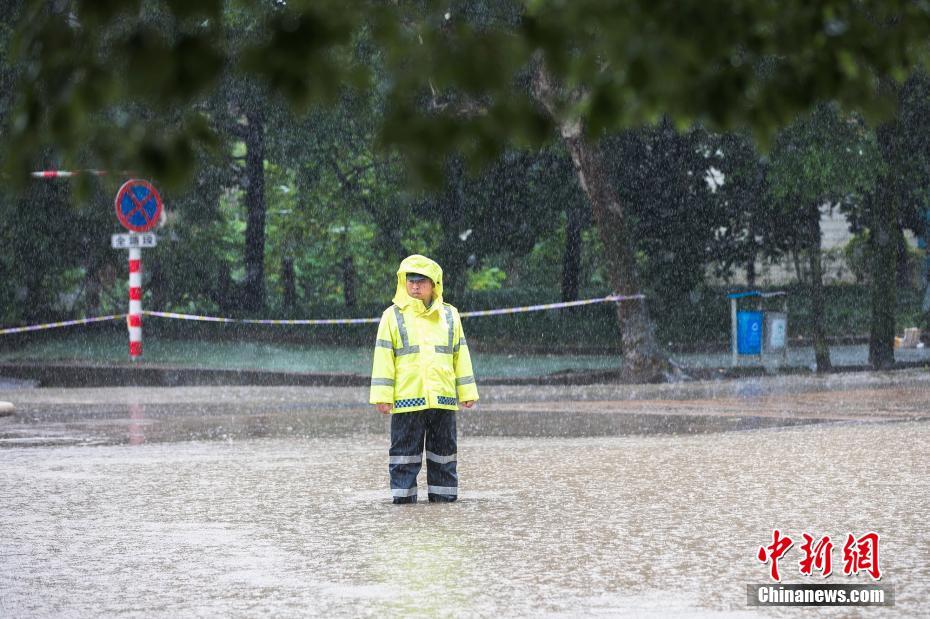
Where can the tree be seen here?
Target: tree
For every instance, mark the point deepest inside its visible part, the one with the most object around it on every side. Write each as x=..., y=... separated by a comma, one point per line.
x=743, y=203
x=243, y=112
x=693, y=62
x=898, y=202
x=643, y=358
x=254, y=288
x=824, y=160
x=583, y=67
x=670, y=180
x=485, y=216
x=577, y=216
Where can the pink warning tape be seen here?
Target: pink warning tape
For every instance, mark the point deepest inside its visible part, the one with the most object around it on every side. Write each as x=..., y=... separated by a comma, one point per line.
x=325, y=321
x=547, y=306
x=256, y=321
x=355, y=321
x=55, y=325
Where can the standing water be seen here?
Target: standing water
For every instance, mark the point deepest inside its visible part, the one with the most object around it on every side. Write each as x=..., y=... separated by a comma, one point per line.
x=109, y=508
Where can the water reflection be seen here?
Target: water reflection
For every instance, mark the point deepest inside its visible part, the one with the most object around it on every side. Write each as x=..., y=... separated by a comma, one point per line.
x=420, y=558
x=136, y=432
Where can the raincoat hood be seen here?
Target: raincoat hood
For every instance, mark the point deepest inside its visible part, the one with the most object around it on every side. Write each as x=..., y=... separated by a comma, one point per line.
x=418, y=264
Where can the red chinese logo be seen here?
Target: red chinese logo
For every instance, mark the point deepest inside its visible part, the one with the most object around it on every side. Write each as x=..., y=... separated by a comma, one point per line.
x=774, y=551
x=859, y=555
x=817, y=556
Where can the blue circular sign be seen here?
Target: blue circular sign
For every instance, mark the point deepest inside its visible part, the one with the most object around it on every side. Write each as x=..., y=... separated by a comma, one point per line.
x=138, y=206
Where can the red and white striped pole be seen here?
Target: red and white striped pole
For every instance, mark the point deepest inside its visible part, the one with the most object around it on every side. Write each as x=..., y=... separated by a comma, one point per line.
x=66, y=173
x=135, y=303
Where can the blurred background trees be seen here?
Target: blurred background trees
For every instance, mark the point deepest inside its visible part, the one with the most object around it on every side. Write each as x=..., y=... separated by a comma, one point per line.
x=304, y=148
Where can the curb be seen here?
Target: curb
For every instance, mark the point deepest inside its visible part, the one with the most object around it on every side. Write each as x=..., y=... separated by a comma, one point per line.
x=89, y=375
x=78, y=375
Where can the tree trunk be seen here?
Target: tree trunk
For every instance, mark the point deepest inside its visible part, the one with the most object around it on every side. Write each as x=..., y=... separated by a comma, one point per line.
x=92, y=275
x=751, y=271
x=796, y=260
x=884, y=290
x=883, y=213
x=903, y=263
x=452, y=249
x=288, y=282
x=821, y=349
x=349, y=281
x=253, y=298
x=643, y=359
x=571, y=258
x=92, y=292
x=223, y=294
x=925, y=267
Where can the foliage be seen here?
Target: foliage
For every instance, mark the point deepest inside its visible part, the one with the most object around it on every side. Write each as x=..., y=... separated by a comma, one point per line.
x=858, y=256
x=489, y=278
x=823, y=158
x=676, y=214
x=361, y=98
x=693, y=61
x=627, y=64
x=90, y=69
x=910, y=137
x=743, y=201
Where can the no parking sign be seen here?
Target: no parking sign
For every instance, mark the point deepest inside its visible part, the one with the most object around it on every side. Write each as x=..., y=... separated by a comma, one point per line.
x=138, y=206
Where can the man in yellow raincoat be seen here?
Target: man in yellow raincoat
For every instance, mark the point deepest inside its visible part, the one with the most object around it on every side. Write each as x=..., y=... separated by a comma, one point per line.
x=421, y=372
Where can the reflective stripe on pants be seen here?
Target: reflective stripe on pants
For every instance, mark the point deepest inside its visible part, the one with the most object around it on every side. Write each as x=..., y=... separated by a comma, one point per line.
x=409, y=431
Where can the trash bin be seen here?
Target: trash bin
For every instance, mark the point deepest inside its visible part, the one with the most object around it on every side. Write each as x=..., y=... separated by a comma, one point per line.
x=758, y=331
x=776, y=331
x=749, y=332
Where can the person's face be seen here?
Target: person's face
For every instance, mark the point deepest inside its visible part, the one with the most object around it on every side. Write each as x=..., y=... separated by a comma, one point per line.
x=421, y=289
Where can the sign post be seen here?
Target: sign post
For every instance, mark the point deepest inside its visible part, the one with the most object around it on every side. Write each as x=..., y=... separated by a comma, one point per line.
x=139, y=209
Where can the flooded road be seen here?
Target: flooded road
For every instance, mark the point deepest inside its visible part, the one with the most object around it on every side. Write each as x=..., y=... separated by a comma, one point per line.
x=189, y=504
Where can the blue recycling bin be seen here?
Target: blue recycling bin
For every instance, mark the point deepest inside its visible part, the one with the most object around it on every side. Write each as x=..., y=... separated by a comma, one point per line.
x=749, y=332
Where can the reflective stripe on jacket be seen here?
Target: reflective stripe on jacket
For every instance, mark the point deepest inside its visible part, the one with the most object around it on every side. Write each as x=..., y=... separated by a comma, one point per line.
x=421, y=357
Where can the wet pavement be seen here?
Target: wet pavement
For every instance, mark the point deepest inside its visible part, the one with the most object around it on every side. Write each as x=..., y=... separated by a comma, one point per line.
x=171, y=363
x=575, y=501
x=799, y=357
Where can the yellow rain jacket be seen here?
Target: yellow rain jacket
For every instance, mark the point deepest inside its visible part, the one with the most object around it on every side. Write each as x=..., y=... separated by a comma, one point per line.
x=421, y=359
